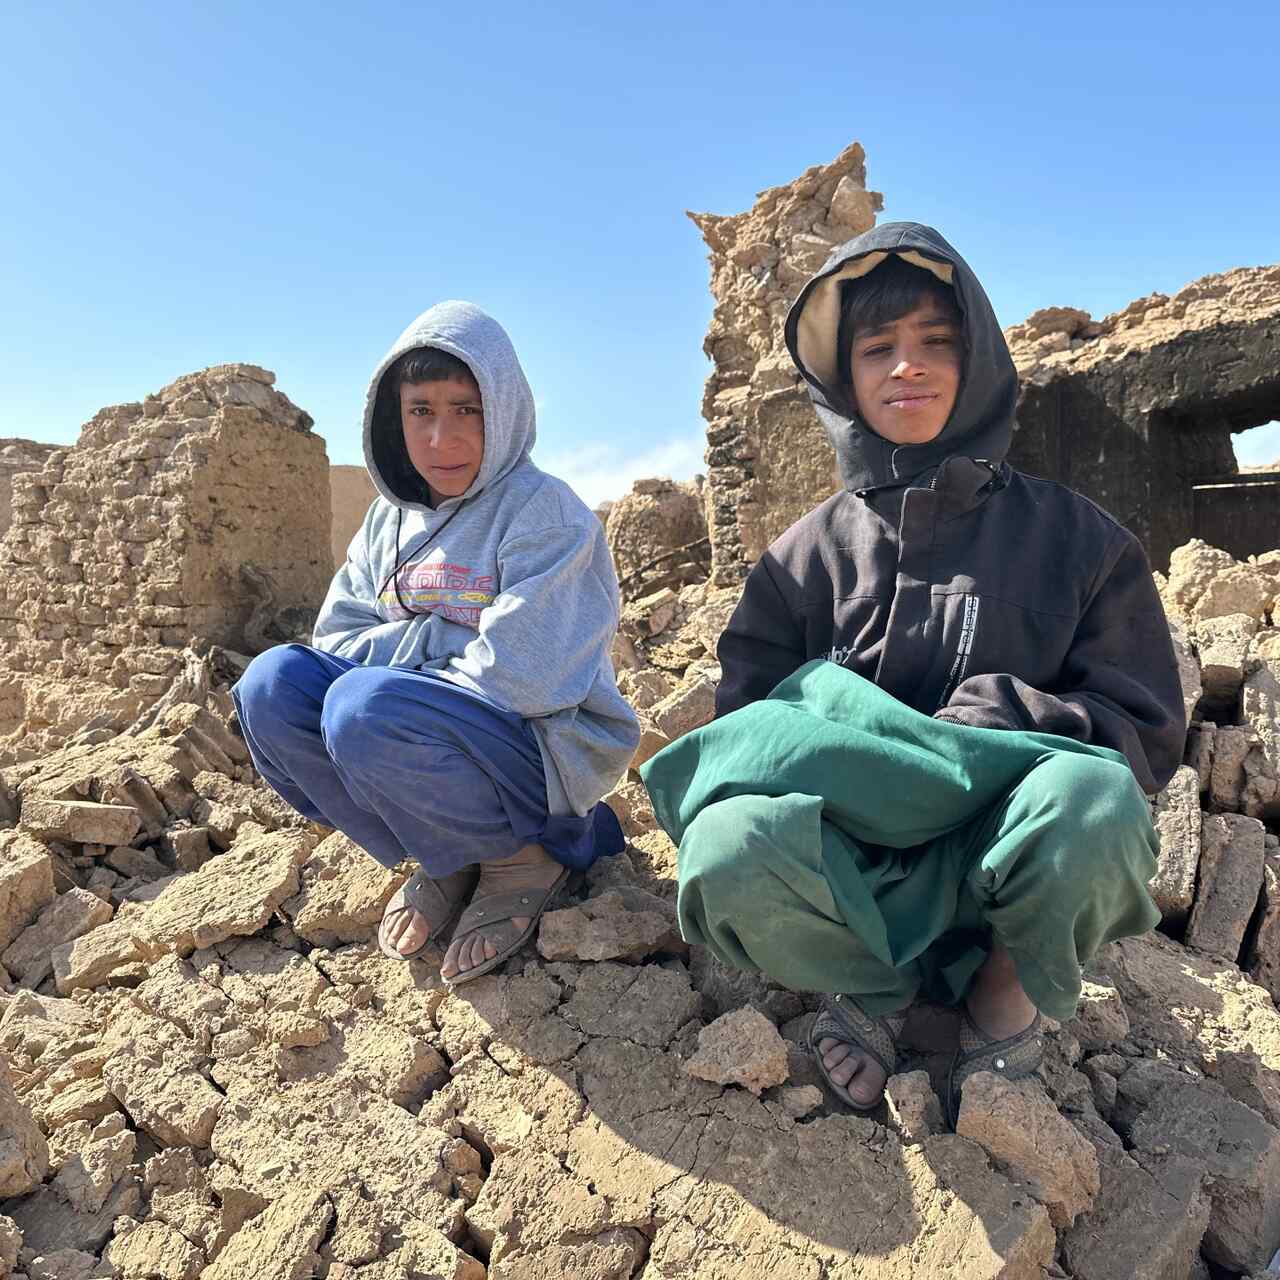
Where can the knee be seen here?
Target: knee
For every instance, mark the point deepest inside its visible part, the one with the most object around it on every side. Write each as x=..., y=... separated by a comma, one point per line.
x=354, y=710
x=720, y=858
x=269, y=676
x=1092, y=795
x=1102, y=819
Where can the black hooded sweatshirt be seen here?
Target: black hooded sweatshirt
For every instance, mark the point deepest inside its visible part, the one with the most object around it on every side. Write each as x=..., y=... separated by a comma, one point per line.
x=964, y=588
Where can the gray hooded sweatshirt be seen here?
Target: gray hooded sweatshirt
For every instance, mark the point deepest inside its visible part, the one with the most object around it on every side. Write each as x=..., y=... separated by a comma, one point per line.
x=510, y=589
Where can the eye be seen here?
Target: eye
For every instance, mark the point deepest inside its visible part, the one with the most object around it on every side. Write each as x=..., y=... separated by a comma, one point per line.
x=943, y=339
x=878, y=350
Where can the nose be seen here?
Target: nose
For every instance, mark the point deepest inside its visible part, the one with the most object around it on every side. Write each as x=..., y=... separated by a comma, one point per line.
x=438, y=434
x=906, y=368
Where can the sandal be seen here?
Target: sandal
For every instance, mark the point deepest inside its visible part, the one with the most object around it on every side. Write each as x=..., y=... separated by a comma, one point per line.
x=438, y=902
x=1014, y=1058
x=842, y=1018
x=497, y=909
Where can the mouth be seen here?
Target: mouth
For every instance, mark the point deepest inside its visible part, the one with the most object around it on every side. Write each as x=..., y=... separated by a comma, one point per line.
x=912, y=400
x=449, y=471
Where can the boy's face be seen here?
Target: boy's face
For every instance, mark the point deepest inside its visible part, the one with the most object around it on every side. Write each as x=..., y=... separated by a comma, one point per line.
x=906, y=375
x=443, y=426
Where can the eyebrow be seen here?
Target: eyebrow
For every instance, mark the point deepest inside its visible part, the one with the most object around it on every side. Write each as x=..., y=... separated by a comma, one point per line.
x=938, y=322
x=463, y=398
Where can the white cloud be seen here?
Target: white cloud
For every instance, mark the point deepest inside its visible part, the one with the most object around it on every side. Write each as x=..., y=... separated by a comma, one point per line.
x=599, y=472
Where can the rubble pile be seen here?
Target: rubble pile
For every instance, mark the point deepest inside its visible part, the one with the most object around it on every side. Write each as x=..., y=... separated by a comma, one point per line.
x=186, y=519
x=1219, y=881
x=664, y=656
x=657, y=533
x=211, y=1070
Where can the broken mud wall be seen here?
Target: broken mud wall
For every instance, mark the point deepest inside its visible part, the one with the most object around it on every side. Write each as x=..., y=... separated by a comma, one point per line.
x=16, y=457
x=137, y=541
x=1135, y=410
x=657, y=534
x=768, y=460
x=351, y=492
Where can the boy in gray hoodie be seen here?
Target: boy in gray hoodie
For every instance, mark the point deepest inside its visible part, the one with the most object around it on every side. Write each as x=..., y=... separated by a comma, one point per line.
x=457, y=706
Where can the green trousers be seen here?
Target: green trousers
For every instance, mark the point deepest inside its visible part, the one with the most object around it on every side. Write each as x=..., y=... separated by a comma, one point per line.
x=836, y=840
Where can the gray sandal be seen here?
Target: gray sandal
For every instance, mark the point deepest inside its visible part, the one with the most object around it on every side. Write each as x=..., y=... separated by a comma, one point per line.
x=1014, y=1058
x=842, y=1018
x=438, y=902
x=497, y=909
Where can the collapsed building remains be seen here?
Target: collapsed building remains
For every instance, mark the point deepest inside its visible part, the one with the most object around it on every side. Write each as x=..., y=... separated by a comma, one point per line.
x=1135, y=411
x=768, y=460
x=184, y=519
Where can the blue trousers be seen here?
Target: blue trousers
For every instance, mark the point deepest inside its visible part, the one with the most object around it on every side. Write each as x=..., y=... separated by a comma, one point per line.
x=406, y=763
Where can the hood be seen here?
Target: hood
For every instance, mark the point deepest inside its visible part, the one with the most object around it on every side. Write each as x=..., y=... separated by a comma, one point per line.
x=981, y=423
x=482, y=344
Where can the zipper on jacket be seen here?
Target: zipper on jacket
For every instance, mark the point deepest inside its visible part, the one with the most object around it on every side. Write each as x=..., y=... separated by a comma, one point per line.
x=968, y=629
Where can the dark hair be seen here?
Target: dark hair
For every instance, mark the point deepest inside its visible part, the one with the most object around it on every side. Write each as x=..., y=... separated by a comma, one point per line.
x=426, y=364
x=422, y=364
x=886, y=293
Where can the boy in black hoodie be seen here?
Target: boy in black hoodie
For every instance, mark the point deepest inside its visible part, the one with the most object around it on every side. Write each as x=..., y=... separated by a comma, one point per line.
x=950, y=801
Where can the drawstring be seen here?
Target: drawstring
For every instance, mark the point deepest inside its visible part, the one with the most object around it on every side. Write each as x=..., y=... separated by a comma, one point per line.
x=393, y=578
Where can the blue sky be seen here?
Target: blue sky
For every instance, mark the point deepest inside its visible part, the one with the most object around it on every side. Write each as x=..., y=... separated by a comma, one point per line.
x=290, y=184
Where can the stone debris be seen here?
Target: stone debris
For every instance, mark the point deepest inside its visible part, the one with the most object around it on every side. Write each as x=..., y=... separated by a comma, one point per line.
x=800, y=1100
x=1223, y=645
x=1231, y=860
x=1177, y=820
x=79, y=821
x=1188, y=665
x=1161, y=1111
x=609, y=927
x=914, y=1110
x=1023, y=1132
x=24, y=1153
x=630, y=803
x=1101, y=1021
x=1263, y=960
x=234, y=894
x=687, y=708
x=742, y=1047
x=1148, y=1219
x=91, y=1160
x=70, y=915
x=342, y=896
x=658, y=535
x=1260, y=711
x=279, y=1243
x=26, y=883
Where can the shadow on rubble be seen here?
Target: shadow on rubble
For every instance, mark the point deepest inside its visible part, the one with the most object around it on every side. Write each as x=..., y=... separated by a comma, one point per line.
x=586, y=1062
